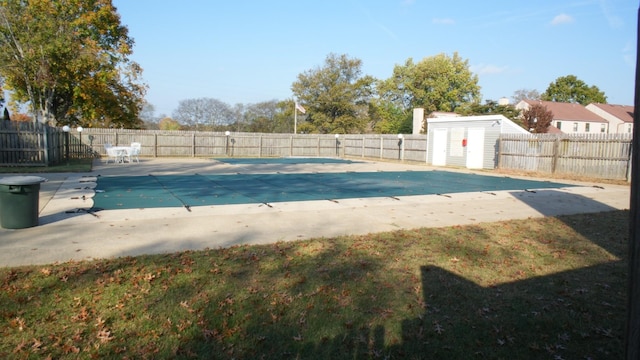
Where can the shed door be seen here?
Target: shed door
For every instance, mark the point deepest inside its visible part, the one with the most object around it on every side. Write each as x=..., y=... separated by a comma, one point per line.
x=439, y=147
x=475, y=148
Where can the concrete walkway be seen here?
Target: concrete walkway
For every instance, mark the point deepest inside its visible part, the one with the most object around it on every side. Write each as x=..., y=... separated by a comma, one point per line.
x=68, y=233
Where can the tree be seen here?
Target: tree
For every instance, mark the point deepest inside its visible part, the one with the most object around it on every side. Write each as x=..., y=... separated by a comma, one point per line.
x=204, y=113
x=148, y=117
x=147, y=112
x=525, y=94
x=335, y=96
x=270, y=117
x=537, y=118
x=388, y=118
x=168, y=123
x=489, y=108
x=68, y=60
x=237, y=119
x=570, y=89
x=437, y=83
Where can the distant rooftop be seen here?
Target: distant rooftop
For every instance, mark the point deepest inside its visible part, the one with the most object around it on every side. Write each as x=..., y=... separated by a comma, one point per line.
x=568, y=111
x=622, y=112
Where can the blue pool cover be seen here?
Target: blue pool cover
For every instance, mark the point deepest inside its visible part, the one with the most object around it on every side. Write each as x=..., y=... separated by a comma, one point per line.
x=130, y=192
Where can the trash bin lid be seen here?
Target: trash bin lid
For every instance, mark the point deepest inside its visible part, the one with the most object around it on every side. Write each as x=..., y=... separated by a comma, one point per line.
x=21, y=180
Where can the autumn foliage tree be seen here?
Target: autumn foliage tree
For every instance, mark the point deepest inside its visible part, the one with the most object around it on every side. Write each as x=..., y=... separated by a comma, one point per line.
x=168, y=123
x=336, y=95
x=69, y=61
x=436, y=83
x=537, y=118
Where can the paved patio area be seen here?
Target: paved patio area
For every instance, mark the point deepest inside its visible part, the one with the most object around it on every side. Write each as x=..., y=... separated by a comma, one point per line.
x=68, y=232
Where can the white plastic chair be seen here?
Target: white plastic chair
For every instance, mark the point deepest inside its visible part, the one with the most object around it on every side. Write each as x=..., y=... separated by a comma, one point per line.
x=112, y=154
x=132, y=153
x=135, y=150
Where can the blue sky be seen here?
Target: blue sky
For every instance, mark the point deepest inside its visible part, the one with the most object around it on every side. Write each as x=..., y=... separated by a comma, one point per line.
x=253, y=50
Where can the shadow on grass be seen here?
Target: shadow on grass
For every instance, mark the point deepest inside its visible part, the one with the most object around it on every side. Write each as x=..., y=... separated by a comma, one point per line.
x=333, y=308
x=551, y=202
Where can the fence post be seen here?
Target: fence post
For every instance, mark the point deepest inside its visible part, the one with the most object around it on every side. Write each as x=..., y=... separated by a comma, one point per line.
x=155, y=145
x=46, y=145
x=291, y=145
x=556, y=154
x=381, y=145
x=193, y=145
x=260, y=146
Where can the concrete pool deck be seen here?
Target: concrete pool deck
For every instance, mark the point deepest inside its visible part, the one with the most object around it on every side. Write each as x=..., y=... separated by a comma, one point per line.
x=68, y=233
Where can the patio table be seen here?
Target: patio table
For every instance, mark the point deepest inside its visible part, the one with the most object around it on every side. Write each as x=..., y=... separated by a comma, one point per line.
x=122, y=153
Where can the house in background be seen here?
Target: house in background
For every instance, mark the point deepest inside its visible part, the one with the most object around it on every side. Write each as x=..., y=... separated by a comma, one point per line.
x=620, y=117
x=467, y=141
x=570, y=118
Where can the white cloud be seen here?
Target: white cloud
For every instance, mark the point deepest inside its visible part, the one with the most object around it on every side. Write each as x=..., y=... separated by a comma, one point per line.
x=562, y=19
x=444, y=21
x=629, y=54
x=485, y=69
x=613, y=20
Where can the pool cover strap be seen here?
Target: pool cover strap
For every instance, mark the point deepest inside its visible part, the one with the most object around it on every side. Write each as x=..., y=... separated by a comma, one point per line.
x=184, y=204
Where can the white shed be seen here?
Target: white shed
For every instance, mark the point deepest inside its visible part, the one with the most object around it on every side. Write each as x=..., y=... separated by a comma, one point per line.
x=467, y=141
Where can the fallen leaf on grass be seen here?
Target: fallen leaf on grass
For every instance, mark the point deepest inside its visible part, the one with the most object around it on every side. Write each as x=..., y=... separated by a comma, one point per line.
x=437, y=327
x=36, y=344
x=18, y=323
x=104, y=336
x=19, y=347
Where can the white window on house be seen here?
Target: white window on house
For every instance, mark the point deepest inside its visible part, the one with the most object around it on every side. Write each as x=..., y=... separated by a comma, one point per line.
x=575, y=127
x=629, y=127
x=603, y=128
x=559, y=125
x=586, y=127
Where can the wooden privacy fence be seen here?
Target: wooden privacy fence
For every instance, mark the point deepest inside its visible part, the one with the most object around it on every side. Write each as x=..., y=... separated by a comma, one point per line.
x=597, y=156
x=159, y=143
x=29, y=144
x=604, y=156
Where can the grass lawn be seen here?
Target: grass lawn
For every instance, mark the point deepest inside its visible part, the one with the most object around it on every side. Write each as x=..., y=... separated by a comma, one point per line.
x=74, y=165
x=552, y=288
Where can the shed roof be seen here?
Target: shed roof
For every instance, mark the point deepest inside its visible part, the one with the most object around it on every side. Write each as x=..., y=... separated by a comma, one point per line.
x=506, y=125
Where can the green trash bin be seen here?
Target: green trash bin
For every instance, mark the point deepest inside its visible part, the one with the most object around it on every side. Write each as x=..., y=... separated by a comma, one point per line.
x=19, y=199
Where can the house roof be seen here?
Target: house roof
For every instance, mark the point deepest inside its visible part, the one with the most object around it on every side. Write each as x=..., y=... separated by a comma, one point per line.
x=568, y=111
x=553, y=130
x=622, y=112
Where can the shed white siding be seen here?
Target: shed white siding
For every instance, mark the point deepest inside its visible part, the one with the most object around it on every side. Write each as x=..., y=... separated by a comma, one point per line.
x=457, y=136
